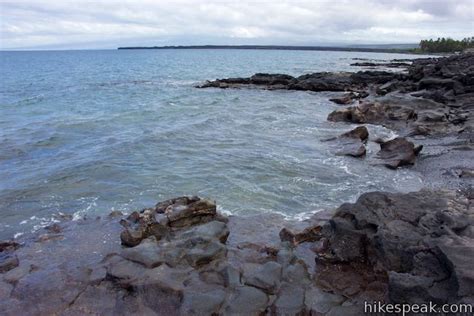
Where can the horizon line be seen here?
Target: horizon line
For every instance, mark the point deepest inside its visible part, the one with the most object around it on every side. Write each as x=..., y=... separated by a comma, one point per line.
x=346, y=47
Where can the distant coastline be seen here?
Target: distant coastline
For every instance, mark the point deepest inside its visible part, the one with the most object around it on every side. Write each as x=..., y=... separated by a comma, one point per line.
x=405, y=48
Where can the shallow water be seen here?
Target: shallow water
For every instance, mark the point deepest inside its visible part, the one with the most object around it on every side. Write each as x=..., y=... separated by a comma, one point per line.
x=85, y=132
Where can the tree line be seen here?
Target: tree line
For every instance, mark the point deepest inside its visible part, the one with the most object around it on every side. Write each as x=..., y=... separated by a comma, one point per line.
x=445, y=45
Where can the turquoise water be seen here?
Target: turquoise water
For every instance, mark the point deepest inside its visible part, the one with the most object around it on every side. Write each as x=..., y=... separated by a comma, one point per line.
x=85, y=132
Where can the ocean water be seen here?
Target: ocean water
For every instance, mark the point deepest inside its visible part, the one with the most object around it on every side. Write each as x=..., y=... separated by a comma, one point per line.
x=87, y=132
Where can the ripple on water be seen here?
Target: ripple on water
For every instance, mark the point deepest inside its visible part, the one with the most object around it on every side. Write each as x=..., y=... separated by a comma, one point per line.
x=83, y=136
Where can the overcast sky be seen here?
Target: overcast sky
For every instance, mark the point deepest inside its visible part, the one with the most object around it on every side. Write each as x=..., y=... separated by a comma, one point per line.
x=108, y=24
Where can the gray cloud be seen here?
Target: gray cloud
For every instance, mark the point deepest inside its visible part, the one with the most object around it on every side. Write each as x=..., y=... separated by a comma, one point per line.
x=108, y=24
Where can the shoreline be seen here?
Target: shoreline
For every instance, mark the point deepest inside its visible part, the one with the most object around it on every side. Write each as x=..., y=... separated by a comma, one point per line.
x=280, y=47
x=183, y=257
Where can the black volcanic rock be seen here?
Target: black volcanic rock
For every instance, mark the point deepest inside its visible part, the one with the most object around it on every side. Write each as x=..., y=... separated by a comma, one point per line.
x=352, y=143
x=422, y=241
x=388, y=65
x=321, y=81
x=398, y=152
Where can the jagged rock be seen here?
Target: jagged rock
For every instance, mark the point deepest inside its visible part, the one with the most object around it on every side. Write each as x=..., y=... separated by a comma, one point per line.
x=398, y=152
x=351, y=143
x=359, y=132
x=350, y=97
x=161, y=207
x=165, y=216
x=320, y=81
x=417, y=238
x=345, y=99
x=374, y=113
x=388, y=65
x=312, y=233
x=271, y=79
x=200, y=211
x=131, y=238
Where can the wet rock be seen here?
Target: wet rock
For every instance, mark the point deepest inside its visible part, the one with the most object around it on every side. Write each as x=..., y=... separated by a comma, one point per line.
x=97, y=275
x=319, y=302
x=398, y=152
x=203, y=303
x=115, y=214
x=164, y=217
x=389, y=115
x=374, y=77
x=346, y=311
x=124, y=271
x=161, y=289
x=5, y=290
x=265, y=277
x=349, y=147
x=312, y=233
x=8, y=261
x=246, y=300
x=16, y=274
x=131, y=238
x=297, y=272
x=54, y=228
x=201, y=251
x=8, y=245
x=345, y=99
x=200, y=211
x=387, y=87
x=321, y=81
x=271, y=79
x=183, y=200
x=214, y=229
x=231, y=276
x=290, y=300
x=351, y=143
x=50, y=289
x=386, y=64
x=146, y=253
x=359, y=132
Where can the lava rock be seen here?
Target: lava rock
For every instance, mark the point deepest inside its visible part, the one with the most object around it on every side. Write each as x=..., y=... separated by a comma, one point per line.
x=398, y=152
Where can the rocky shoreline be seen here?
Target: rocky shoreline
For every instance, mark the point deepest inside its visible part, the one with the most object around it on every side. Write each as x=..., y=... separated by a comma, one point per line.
x=182, y=257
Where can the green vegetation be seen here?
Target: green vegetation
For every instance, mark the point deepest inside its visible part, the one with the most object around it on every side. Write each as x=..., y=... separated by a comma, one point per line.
x=445, y=45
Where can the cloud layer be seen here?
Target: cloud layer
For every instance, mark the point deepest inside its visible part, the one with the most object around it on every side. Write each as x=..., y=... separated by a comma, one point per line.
x=108, y=24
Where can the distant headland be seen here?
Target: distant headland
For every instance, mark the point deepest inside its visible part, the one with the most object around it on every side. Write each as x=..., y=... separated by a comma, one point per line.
x=402, y=48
